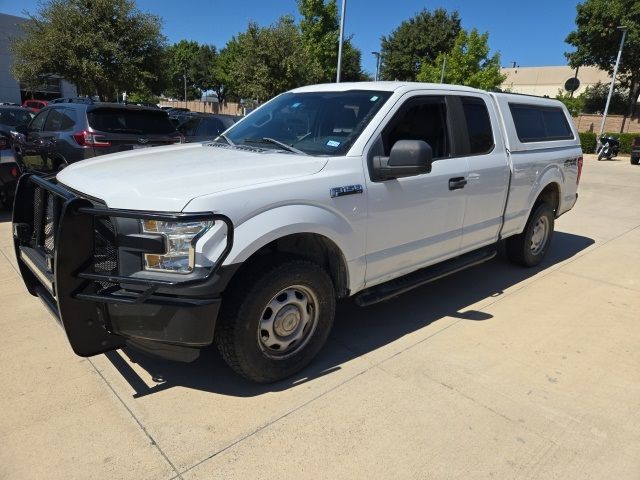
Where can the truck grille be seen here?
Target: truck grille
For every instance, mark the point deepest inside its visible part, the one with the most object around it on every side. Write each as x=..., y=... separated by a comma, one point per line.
x=46, y=213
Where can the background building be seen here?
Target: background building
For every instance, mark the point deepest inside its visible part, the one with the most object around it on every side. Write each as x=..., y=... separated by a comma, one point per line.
x=10, y=89
x=548, y=81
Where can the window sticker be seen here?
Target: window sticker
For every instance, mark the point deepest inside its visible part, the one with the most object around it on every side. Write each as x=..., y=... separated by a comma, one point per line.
x=333, y=143
x=295, y=105
x=374, y=98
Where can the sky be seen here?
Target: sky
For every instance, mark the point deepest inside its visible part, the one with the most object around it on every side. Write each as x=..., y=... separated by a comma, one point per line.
x=531, y=33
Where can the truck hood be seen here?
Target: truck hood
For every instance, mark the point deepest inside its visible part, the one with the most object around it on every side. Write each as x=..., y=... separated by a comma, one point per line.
x=167, y=178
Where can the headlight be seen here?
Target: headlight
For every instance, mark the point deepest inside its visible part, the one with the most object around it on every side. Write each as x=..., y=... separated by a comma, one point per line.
x=180, y=240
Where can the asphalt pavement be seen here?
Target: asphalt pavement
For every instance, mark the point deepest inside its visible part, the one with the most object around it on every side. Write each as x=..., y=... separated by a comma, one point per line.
x=495, y=372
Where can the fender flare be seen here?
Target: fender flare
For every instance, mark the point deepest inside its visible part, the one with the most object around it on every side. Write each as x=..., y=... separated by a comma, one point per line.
x=552, y=174
x=266, y=226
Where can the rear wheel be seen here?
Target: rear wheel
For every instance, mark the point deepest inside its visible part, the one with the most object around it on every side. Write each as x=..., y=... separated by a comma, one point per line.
x=275, y=319
x=529, y=248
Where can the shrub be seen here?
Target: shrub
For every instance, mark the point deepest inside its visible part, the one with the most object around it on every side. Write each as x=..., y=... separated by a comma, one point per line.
x=588, y=142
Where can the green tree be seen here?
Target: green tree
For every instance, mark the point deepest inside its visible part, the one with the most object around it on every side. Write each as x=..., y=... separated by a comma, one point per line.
x=595, y=96
x=468, y=63
x=182, y=59
x=265, y=61
x=596, y=41
x=574, y=104
x=320, y=30
x=416, y=41
x=102, y=46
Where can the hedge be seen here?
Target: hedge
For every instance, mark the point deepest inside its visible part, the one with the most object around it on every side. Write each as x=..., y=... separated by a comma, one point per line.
x=588, y=141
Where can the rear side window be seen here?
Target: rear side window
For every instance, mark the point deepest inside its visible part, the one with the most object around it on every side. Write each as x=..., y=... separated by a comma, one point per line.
x=538, y=124
x=478, y=125
x=139, y=122
x=210, y=127
x=59, y=119
x=188, y=128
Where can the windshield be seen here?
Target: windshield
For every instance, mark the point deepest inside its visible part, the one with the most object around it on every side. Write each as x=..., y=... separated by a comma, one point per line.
x=14, y=116
x=315, y=123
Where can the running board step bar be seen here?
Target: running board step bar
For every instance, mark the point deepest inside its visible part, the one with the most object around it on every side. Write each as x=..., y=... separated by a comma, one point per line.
x=398, y=286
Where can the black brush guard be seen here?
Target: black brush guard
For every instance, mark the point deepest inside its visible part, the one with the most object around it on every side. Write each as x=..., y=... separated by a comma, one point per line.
x=57, y=260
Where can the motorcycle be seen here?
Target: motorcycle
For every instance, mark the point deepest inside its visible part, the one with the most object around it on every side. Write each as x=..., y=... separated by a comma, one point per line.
x=609, y=148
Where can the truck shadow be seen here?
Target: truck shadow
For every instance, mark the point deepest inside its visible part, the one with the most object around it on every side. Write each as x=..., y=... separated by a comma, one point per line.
x=357, y=330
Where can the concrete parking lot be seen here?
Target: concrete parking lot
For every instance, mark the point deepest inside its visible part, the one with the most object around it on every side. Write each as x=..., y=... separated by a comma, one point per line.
x=495, y=372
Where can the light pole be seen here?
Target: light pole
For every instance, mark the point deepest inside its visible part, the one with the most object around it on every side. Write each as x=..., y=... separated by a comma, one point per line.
x=613, y=82
x=184, y=76
x=377, y=55
x=344, y=9
x=444, y=66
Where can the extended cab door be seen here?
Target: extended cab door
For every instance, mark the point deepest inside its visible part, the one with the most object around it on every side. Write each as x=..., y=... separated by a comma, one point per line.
x=415, y=221
x=482, y=142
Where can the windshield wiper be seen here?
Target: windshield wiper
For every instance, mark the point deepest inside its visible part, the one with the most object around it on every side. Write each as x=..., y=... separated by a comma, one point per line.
x=273, y=141
x=227, y=139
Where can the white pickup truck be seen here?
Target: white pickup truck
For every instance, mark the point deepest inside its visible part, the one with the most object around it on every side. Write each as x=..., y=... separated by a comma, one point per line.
x=361, y=190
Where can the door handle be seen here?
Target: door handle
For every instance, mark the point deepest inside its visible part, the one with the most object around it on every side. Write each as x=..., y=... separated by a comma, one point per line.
x=457, y=183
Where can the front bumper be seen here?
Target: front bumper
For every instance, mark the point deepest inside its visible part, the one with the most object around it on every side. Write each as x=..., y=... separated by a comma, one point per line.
x=59, y=240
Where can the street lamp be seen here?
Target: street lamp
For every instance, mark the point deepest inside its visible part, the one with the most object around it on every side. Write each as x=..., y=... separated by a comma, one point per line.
x=613, y=82
x=377, y=55
x=184, y=76
x=344, y=9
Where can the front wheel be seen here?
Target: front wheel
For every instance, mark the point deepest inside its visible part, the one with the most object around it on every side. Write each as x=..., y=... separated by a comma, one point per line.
x=275, y=320
x=529, y=248
x=635, y=160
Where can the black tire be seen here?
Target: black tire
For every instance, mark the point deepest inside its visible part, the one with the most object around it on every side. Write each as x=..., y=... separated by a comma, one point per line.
x=239, y=334
x=601, y=155
x=635, y=160
x=520, y=248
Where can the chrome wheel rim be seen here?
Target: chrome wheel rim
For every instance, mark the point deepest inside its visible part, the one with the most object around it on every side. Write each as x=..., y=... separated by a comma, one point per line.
x=539, y=235
x=288, y=321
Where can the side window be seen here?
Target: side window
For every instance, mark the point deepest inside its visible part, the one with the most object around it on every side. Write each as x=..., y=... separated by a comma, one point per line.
x=38, y=121
x=188, y=128
x=537, y=124
x=420, y=119
x=68, y=119
x=478, y=125
x=54, y=121
x=210, y=127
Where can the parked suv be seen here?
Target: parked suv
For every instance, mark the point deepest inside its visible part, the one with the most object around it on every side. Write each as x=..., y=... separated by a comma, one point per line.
x=199, y=127
x=635, y=151
x=10, y=118
x=69, y=130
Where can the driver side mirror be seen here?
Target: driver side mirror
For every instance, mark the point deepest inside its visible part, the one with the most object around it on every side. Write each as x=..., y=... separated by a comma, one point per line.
x=406, y=159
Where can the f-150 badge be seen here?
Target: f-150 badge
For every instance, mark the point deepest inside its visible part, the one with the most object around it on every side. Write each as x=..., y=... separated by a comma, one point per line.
x=346, y=190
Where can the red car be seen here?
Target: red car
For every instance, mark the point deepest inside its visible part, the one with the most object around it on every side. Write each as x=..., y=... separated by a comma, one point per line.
x=35, y=105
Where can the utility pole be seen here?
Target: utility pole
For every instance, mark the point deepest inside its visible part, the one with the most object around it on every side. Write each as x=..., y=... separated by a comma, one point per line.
x=184, y=76
x=377, y=55
x=344, y=9
x=613, y=82
x=444, y=65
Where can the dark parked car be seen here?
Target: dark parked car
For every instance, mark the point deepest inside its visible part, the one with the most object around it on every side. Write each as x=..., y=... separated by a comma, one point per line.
x=199, y=127
x=635, y=151
x=10, y=118
x=76, y=129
